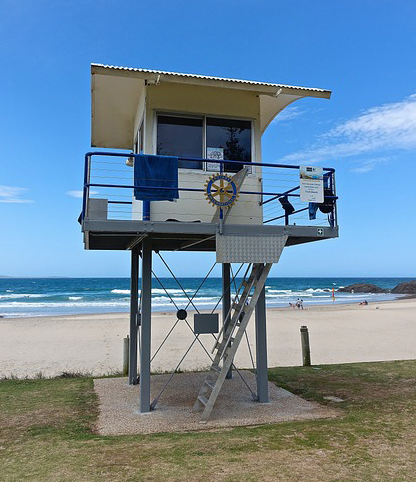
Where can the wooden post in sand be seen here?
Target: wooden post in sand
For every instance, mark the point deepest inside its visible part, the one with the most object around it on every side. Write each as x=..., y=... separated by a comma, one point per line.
x=306, y=349
x=126, y=356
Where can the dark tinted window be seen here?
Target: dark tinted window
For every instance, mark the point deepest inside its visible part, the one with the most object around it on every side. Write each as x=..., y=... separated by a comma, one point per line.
x=234, y=137
x=182, y=137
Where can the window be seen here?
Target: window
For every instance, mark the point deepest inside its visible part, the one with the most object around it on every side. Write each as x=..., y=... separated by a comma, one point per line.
x=139, y=144
x=185, y=136
x=182, y=137
x=233, y=137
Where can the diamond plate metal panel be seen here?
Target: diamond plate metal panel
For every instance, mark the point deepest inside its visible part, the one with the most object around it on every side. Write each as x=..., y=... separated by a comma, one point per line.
x=249, y=249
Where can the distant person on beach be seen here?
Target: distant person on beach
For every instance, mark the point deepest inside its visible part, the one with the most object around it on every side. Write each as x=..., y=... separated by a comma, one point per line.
x=365, y=303
x=299, y=304
x=292, y=305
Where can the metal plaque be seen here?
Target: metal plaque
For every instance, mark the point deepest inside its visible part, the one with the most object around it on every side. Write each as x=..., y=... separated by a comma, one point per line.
x=249, y=249
x=205, y=323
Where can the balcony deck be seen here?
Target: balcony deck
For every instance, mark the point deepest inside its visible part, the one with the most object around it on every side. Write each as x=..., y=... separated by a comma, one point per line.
x=118, y=230
x=171, y=236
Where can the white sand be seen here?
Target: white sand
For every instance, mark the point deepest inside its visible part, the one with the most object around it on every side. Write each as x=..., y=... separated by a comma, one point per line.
x=93, y=343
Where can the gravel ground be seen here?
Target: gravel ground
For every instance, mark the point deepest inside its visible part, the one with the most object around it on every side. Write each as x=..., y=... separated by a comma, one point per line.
x=119, y=406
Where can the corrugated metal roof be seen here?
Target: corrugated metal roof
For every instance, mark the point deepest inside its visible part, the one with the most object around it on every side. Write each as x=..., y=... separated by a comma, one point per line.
x=207, y=77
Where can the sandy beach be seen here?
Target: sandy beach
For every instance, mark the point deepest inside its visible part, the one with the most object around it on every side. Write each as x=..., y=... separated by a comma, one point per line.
x=93, y=343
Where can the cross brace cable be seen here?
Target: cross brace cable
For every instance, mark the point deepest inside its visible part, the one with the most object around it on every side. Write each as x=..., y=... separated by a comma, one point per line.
x=199, y=287
x=228, y=287
x=179, y=284
x=154, y=403
x=196, y=337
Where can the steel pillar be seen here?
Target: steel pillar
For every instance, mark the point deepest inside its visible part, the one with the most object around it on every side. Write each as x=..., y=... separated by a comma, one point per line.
x=134, y=308
x=146, y=318
x=261, y=349
x=226, y=300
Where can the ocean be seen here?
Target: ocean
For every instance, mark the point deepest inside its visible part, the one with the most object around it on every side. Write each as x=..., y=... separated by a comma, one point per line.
x=23, y=297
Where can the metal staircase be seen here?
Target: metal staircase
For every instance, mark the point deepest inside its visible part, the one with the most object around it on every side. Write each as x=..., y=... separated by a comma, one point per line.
x=232, y=334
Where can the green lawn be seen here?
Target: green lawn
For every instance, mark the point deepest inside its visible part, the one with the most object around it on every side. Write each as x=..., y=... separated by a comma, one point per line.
x=46, y=434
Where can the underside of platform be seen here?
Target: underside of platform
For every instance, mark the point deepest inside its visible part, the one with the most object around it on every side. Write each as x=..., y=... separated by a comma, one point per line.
x=170, y=236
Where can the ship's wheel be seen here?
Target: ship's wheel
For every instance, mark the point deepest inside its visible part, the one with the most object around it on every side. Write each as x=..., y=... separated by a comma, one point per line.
x=221, y=190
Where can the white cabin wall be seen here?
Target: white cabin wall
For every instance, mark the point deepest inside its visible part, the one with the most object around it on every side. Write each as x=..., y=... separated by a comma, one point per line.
x=204, y=101
x=140, y=111
x=137, y=207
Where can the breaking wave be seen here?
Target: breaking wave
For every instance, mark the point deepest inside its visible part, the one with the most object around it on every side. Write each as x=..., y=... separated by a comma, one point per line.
x=20, y=295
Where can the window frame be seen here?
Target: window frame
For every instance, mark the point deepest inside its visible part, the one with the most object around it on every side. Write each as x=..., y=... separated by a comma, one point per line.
x=204, y=135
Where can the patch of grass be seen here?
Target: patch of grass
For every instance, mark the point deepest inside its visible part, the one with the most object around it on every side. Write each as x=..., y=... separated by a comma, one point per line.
x=47, y=434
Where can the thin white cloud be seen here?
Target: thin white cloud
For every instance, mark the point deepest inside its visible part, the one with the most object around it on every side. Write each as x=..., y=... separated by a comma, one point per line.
x=386, y=127
x=288, y=114
x=12, y=194
x=368, y=165
x=79, y=194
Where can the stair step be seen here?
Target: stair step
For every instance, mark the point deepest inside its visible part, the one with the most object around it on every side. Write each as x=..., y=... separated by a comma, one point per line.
x=220, y=345
x=216, y=368
x=203, y=400
x=226, y=352
x=210, y=384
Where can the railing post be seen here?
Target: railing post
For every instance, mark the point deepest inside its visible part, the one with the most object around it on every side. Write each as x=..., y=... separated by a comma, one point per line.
x=334, y=210
x=86, y=188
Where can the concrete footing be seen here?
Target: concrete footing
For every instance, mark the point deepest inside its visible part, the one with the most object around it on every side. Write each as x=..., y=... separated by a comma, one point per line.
x=120, y=413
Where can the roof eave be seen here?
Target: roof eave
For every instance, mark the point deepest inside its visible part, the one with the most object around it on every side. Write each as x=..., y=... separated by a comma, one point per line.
x=257, y=88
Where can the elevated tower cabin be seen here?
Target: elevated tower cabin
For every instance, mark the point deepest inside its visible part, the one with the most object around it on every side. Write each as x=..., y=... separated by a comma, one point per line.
x=179, y=167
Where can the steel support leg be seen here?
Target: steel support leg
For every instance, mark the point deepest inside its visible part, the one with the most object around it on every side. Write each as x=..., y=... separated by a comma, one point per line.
x=134, y=306
x=146, y=319
x=261, y=349
x=226, y=300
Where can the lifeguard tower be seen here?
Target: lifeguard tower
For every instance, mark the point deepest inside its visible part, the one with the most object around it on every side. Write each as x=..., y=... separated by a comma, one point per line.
x=180, y=168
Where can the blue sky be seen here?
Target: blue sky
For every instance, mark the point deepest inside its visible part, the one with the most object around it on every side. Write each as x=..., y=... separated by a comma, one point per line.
x=362, y=50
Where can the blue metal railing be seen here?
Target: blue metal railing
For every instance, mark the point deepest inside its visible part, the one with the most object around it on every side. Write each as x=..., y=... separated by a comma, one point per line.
x=267, y=194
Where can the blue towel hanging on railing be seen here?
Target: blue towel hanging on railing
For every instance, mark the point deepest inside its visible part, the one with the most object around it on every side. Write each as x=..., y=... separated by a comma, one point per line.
x=313, y=207
x=155, y=178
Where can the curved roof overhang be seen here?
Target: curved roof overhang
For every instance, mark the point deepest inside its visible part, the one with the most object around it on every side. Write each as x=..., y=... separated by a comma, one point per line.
x=116, y=92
